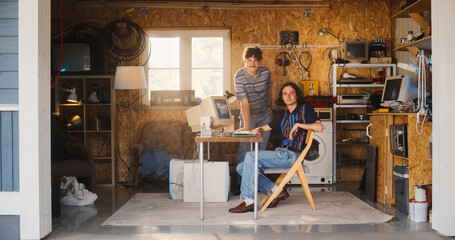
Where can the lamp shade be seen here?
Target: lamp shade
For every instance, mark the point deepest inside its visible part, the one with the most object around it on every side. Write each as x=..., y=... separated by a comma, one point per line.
x=323, y=31
x=72, y=97
x=230, y=97
x=76, y=121
x=129, y=77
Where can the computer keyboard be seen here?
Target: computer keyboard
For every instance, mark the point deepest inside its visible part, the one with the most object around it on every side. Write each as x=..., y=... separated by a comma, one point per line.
x=240, y=132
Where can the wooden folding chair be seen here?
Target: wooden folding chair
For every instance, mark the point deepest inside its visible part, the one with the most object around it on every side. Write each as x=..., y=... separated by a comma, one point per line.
x=287, y=173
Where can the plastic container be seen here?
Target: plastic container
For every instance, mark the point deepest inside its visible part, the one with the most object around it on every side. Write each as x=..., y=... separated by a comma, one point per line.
x=418, y=211
x=420, y=193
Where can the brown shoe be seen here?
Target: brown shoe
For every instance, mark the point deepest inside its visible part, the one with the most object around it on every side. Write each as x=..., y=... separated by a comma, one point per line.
x=283, y=195
x=241, y=208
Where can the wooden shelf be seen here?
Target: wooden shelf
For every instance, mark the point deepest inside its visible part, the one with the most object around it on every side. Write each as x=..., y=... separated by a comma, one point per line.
x=422, y=44
x=417, y=7
x=352, y=121
x=352, y=105
x=352, y=143
x=98, y=104
x=98, y=131
x=70, y=105
x=371, y=85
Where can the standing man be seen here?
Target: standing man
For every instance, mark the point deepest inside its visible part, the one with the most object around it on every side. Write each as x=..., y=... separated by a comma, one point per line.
x=293, y=125
x=253, y=87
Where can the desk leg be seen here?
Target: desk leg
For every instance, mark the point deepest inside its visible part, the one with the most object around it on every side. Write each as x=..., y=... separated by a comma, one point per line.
x=256, y=146
x=201, y=159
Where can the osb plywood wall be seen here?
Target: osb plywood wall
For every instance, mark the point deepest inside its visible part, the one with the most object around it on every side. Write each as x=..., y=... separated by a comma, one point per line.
x=349, y=20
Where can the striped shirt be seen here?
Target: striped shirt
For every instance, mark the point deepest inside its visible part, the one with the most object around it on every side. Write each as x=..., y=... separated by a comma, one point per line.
x=255, y=89
x=284, y=123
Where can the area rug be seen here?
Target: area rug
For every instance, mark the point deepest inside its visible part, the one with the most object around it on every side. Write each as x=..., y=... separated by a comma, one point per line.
x=156, y=209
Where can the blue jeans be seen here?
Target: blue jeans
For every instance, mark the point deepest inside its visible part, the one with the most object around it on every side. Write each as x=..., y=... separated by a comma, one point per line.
x=245, y=147
x=281, y=158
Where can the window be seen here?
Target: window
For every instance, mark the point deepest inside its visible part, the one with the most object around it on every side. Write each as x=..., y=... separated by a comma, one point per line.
x=196, y=60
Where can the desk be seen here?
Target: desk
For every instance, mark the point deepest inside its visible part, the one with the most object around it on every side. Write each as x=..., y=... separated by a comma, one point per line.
x=208, y=140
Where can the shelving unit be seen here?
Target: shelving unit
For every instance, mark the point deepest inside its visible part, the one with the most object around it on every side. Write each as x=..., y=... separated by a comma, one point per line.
x=341, y=147
x=97, y=131
x=415, y=11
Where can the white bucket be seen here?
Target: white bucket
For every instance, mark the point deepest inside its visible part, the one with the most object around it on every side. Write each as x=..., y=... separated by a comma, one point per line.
x=420, y=193
x=418, y=211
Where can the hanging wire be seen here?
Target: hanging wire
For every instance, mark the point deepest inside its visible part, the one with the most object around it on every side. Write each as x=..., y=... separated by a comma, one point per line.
x=61, y=44
x=422, y=86
x=122, y=33
x=305, y=57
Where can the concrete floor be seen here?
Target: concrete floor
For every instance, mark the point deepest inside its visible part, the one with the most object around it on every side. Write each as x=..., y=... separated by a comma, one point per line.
x=85, y=223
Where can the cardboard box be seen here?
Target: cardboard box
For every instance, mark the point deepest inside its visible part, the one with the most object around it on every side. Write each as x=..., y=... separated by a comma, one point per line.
x=216, y=182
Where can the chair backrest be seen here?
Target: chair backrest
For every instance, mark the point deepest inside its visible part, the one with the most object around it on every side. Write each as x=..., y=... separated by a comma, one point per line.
x=308, y=141
x=164, y=135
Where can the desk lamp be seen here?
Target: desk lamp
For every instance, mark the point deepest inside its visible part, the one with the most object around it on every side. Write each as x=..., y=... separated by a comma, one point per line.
x=230, y=97
x=127, y=78
x=76, y=121
x=323, y=31
x=72, y=97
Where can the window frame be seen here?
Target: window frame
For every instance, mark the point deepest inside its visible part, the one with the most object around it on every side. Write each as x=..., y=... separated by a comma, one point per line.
x=185, y=36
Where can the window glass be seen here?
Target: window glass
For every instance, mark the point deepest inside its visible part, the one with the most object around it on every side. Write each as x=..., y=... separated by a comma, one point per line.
x=189, y=60
x=207, y=82
x=164, y=53
x=207, y=52
x=164, y=79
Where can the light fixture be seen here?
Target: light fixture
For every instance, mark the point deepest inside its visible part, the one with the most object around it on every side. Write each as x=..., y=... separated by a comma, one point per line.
x=76, y=121
x=230, y=97
x=72, y=97
x=323, y=31
x=129, y=77
x=144, y=11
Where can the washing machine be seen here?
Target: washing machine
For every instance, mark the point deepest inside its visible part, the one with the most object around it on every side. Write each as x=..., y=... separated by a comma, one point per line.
x=319, y=157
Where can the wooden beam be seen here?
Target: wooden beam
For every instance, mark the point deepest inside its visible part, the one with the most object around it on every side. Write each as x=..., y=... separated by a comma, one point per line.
x=235, y=4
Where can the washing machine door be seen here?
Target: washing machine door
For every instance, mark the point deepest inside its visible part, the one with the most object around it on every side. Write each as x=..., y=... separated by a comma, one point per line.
x=316, y=152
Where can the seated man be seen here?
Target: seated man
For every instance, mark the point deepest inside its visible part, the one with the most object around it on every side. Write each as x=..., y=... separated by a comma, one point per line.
x=293, y=124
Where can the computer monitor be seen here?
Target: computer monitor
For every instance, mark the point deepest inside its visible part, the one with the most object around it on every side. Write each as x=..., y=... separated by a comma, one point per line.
x=214, y=106
x=398, y=89
x=356, y=51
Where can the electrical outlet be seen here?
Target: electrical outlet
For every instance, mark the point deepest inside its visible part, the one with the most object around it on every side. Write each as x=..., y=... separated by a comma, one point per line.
x=306, y=13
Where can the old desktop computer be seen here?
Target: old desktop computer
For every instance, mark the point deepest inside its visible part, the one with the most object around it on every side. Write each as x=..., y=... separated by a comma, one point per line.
x=215, y=107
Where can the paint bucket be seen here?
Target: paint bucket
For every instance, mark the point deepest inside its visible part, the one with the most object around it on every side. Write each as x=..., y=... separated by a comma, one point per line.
x=420, y=193
x=418, y=211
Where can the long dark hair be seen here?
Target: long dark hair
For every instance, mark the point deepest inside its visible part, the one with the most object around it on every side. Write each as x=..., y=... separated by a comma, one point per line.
x=300, y=99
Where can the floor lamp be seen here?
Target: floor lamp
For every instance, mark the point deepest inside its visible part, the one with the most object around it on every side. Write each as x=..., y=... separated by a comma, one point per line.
x=128, y=78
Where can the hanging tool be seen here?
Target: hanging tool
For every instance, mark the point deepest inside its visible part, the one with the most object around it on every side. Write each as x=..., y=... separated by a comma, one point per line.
x=281, y=60
x=290, y=48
